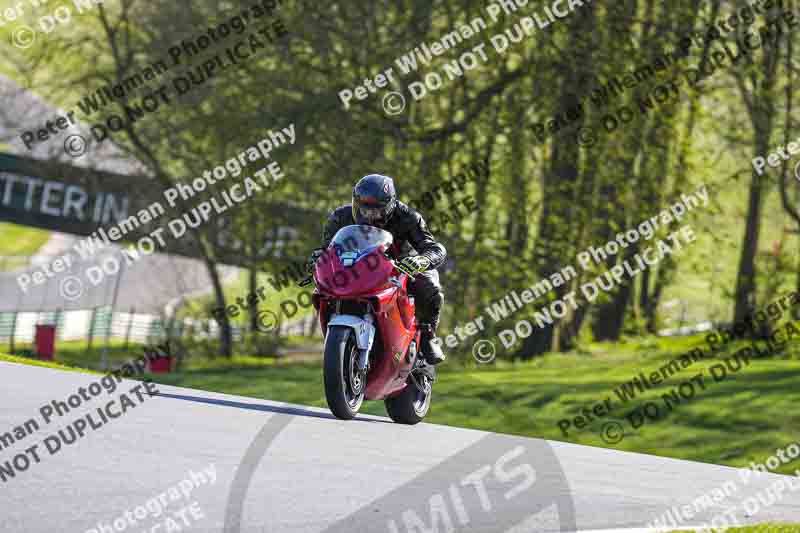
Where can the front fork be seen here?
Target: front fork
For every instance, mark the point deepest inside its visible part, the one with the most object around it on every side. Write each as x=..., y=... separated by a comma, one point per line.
x=364, y=328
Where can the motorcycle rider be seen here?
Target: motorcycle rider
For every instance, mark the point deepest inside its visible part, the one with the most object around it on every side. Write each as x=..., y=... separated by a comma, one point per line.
x=375, y=203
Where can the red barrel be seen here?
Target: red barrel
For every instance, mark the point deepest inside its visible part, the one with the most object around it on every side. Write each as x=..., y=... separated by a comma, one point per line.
x=45, y=341
x=161, y=365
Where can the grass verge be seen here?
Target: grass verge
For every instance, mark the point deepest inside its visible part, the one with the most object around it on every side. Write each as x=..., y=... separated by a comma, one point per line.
x=762, y=528
x=18, y=243
x=45, y=364
x=78, y=354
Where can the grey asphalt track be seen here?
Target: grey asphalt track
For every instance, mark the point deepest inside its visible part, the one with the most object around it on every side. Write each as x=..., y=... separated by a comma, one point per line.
x=288, y=468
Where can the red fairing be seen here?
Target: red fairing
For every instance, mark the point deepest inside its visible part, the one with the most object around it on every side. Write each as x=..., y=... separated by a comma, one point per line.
x=370, y=280
x=369, y=274
x=322, y=310
x=389, y=372
x=406, y=308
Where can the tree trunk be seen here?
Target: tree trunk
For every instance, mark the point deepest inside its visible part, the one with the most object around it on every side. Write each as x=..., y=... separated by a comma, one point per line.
x=759, y=100
x=559, y=186
x=746, y=277
x=225, y=337
x=252, y=286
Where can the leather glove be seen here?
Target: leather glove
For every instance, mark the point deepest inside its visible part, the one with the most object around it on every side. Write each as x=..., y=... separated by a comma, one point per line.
x=413, y=265
x=312, y=261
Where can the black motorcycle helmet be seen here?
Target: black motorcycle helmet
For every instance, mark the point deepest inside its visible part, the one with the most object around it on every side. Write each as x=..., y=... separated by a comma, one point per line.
x=374, y=200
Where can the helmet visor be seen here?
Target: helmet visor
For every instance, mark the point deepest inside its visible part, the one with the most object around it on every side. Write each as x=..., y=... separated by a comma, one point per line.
x=370, y=210
x=373, y=214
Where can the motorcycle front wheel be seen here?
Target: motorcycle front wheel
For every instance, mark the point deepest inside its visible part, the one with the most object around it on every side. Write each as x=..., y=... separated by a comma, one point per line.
x=344, y=384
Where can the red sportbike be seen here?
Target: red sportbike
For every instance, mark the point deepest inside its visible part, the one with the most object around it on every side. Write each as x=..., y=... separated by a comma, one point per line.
x=371, y=337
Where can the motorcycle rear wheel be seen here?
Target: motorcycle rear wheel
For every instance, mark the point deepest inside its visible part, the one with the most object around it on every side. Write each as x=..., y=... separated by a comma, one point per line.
x=344, y=385
x=411, y=405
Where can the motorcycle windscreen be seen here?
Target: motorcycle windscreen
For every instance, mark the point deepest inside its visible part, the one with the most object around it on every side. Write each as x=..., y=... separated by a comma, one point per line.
x=354, y=263
x=360, y=240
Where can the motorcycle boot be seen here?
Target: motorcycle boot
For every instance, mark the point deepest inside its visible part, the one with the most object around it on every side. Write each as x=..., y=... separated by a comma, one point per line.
x=430, y=345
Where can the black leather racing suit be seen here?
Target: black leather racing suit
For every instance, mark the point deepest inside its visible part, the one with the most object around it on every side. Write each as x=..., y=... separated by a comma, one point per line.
x=411, y=237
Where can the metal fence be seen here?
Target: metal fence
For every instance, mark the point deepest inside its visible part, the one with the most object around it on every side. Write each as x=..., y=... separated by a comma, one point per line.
x=98, y=324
